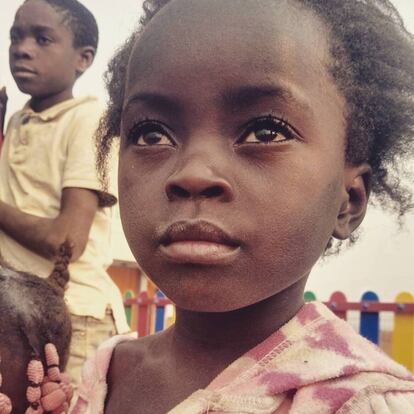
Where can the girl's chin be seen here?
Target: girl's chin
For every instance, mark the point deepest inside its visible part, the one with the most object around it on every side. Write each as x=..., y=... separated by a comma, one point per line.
x=212, y=304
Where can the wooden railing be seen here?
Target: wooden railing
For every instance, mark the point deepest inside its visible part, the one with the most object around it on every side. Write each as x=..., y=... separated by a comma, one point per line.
x=155, y=313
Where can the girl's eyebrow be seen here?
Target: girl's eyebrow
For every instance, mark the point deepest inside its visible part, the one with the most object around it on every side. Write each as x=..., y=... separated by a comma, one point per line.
x=232, y=99
x=248, y=96
x=156, y=101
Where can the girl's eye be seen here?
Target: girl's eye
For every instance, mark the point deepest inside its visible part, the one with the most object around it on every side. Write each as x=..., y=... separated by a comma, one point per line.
x=265, y=131
x=147, y=134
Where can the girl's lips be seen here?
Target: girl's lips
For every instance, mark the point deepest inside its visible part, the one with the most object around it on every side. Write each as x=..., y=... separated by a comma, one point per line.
x=198, y=242
x=200, y=252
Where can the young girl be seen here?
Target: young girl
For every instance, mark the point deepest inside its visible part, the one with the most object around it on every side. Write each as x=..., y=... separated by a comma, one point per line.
x=35, y=329
x=252, y=133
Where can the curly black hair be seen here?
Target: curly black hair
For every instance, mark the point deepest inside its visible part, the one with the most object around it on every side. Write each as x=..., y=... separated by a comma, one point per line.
x=33, y=313
x=80, y=20
x=373, y=66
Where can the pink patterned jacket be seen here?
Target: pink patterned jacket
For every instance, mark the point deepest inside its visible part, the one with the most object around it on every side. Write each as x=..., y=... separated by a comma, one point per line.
x=314, y=364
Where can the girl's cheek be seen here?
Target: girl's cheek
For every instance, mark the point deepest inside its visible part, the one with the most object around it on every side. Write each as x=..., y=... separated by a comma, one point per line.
x=127, y=173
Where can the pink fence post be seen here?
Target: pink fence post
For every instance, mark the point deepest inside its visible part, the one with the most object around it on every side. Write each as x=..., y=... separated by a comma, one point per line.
x=143, y=306
x=336, y=300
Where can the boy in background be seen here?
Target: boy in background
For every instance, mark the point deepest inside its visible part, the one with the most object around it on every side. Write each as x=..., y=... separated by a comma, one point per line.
x=3, y=104
x=49, y=190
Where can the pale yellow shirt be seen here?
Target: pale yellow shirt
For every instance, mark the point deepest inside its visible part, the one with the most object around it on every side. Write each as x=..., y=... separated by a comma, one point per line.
x=42, y=154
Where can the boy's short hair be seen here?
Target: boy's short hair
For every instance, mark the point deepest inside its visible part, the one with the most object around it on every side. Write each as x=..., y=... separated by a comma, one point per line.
x=80, y=20
x=372, y=65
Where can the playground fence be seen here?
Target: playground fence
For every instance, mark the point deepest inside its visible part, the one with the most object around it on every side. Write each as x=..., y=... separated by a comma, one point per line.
x=153, y=314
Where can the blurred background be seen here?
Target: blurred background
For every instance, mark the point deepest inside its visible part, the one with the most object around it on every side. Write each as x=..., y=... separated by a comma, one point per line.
x=383, y=258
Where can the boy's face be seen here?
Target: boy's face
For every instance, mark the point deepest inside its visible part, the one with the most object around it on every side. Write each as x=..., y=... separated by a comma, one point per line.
x=232, y=171
x=43, y=60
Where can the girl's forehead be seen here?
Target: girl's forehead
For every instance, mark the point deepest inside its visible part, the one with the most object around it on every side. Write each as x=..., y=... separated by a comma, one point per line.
x=209, y=14
x=249, y=33
x=207, y=46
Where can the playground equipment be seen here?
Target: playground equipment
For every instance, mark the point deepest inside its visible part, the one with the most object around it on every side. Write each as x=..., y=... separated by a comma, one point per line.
x=155, y=313
x=388, y=324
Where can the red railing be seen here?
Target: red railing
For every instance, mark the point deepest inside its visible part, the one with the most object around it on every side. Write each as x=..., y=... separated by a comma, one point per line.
x=151, y=317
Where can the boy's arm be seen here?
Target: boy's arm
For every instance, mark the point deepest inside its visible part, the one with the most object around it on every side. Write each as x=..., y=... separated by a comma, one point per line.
x=44, y=236
x=3, y=108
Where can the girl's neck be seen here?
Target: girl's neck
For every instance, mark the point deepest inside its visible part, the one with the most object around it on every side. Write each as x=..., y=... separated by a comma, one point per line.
x=234, y=333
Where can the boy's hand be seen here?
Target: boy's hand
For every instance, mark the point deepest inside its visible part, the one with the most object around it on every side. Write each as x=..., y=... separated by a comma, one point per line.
x=3, y=108
x=40, y=235
x=45, y=236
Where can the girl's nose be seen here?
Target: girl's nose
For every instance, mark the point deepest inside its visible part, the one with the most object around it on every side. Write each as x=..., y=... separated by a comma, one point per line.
x=195, y=180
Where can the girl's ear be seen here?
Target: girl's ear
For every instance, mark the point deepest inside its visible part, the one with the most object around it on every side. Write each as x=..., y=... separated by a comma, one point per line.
x=357, y=187
x=86, y=55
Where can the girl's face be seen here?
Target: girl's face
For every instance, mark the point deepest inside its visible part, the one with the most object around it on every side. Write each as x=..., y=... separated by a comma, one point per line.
x=232, y=171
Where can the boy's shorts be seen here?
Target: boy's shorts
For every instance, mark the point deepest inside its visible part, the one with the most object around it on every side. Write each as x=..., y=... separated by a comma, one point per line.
x=87, y=334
